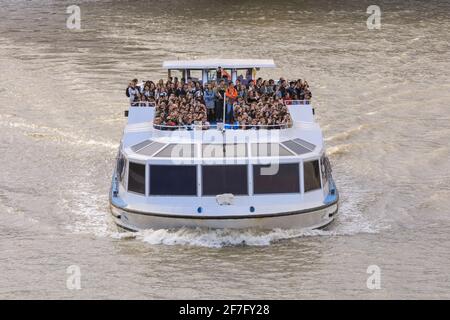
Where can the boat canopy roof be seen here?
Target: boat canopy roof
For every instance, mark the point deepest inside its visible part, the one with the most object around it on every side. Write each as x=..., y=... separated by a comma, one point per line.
x=215, y=63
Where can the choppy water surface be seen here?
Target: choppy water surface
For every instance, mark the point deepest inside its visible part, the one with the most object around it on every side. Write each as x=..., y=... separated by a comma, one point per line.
x=382, y=98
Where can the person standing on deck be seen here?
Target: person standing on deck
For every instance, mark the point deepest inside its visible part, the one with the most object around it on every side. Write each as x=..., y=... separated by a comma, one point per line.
x=133, y=92
x=220, y=96
x=231, y=96
x=210, y=100
x=222, y=74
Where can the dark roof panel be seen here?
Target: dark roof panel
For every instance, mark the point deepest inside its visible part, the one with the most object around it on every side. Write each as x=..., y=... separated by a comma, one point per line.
x=306, y=144
x=182, y=150
x=140, y=145
x=151, y=149
x=230, y=150
x=270, y=150
x=298, y=149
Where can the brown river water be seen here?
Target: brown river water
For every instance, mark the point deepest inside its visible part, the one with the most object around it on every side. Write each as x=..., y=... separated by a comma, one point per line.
x=382, y=98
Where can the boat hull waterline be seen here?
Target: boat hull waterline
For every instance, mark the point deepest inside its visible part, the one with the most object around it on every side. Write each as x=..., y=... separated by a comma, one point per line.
x=305, y=219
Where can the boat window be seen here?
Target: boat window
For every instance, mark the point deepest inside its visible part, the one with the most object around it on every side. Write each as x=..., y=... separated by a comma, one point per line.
x=325, y=167
x=136, y=177
x=182, y=150
x=285, y=178
x=270, y=150
x=219, y=179
x=324, y=170
x=212, y=75
x=312, y=175
x=176, y=74
x=121, y=163
x=178, y=180
x=195, y=75
x=244, y=75
x=230, y=150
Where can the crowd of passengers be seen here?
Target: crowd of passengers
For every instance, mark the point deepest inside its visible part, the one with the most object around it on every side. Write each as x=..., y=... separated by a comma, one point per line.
x=248, y=103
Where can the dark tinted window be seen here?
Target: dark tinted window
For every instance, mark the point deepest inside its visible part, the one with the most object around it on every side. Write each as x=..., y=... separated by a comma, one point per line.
x=224, y=179
x=323, y=169
x=121, y=163
x=173, y=180
x=136, y=178
x=285, y=179
x=312, y=175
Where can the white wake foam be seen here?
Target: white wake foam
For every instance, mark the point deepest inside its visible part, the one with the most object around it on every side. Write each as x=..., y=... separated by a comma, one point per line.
x=218, y=238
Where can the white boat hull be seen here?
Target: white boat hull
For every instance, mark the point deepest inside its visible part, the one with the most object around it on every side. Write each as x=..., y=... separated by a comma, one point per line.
x=305, y=219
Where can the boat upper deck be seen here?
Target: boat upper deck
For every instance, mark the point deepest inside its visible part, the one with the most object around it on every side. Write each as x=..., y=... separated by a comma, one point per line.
x=223, y=103
x=231, y=95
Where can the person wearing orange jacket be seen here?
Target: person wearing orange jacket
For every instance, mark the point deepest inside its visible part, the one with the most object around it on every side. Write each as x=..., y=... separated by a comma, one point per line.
x=231, y=95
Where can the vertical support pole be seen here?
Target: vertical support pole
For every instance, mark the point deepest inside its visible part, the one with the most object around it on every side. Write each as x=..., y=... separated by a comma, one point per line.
x=198, y=164
x=224, y=109
x=302, y=180
x=250, y=165
x=250, y=178
x=147, y=179
x=204, y=76
x=126, y=175
x=199, y=180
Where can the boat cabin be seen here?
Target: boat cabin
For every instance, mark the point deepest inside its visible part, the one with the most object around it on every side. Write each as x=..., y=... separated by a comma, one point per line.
x=206, y=70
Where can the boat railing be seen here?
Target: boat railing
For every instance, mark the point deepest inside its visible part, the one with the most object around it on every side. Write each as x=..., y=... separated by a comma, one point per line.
x=153, y=104
x=143, y=104
x=222, y=126
x=297, y=102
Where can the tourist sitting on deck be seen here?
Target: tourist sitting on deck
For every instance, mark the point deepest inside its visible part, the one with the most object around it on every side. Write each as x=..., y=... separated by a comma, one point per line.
x=268, y=113
x=176, y=111
x=252, y=96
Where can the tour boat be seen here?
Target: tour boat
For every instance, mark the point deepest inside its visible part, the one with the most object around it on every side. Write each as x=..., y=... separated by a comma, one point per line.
x=222, y=176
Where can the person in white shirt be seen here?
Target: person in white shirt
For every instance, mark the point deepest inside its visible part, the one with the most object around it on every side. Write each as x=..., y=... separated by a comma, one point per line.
x=133, y=91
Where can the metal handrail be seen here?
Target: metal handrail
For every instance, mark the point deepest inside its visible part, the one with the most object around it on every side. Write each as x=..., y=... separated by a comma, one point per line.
x=153, y=104
x=232, y=126
x=142, y=104
x=222, y=125
x=297, y=102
